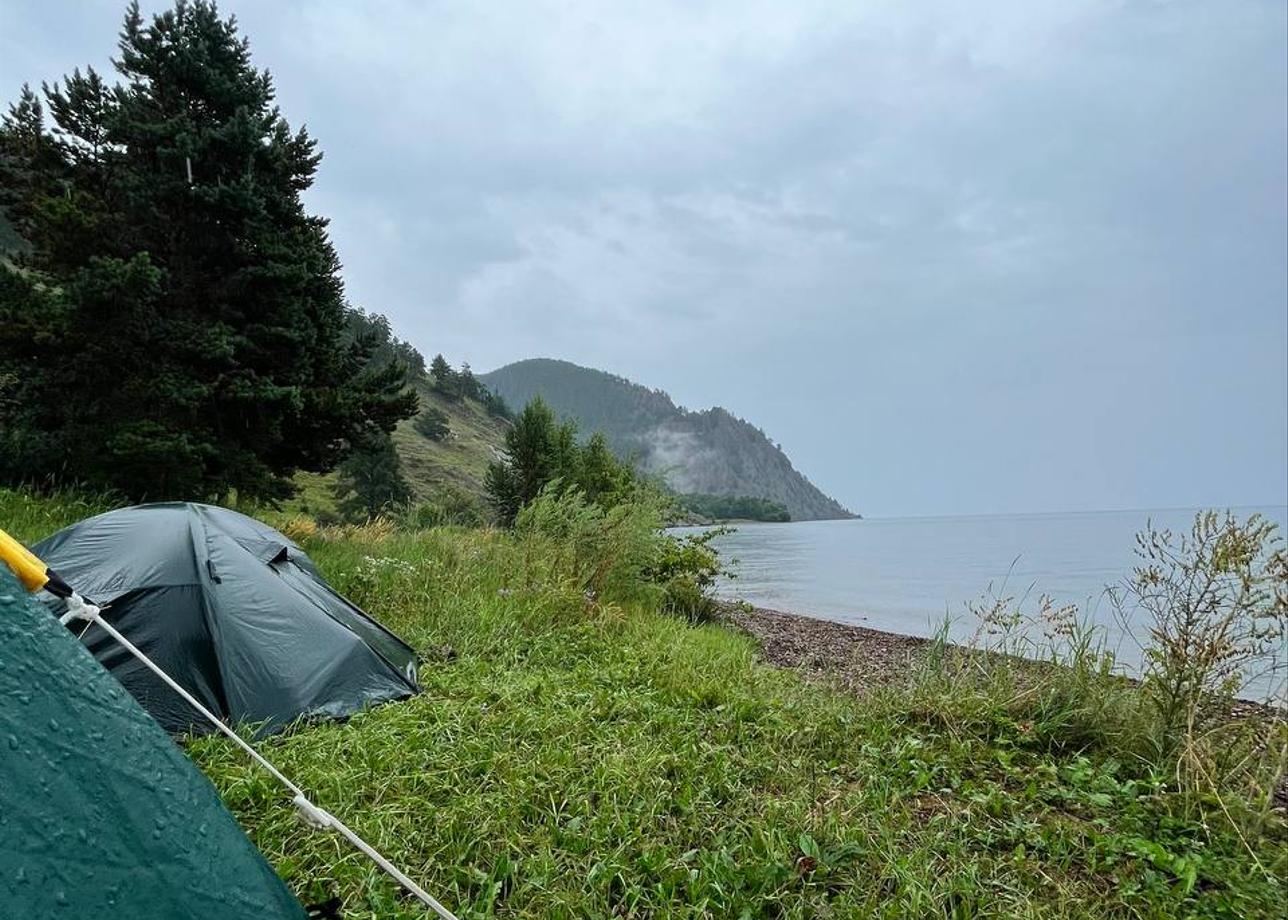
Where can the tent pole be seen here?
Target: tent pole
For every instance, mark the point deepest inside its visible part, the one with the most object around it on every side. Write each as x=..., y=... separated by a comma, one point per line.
x=319, y=817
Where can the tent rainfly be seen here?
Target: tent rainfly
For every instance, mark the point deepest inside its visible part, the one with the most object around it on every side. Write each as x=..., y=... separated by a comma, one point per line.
x=231, y=609
x=100, y=814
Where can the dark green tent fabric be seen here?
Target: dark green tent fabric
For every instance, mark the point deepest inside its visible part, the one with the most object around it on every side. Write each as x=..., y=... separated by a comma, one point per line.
x=232, y=610
x=101, y=815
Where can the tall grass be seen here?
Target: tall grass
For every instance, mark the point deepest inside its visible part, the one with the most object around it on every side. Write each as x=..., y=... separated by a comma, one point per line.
x=1211, y=613
x=579, y=753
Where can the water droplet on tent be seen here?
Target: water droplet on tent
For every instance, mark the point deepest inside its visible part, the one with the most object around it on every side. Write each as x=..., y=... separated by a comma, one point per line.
x=13, y=742
x=61, y=898
x=53, y=725
x=24, y=698
x=21, y=876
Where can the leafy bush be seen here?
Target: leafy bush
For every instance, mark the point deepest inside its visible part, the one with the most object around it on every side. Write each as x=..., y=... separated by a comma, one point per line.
x=621, y=553
x=687, y=569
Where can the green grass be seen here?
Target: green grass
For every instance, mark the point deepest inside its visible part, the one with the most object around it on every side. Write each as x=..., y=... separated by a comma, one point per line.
x=579, y=759
x=461, y=459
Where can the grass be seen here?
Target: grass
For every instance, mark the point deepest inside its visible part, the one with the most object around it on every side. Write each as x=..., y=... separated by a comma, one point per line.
x=461, y=459
x=570, y=758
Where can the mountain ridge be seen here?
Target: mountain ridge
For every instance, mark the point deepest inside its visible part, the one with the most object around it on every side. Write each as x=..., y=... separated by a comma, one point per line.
x=709, y=451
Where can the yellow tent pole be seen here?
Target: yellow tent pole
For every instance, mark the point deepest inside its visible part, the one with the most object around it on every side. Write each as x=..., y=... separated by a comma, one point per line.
x=33, y=573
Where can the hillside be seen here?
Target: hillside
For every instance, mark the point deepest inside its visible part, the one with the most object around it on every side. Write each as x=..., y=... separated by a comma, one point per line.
x=458, y=461
x=711, y=451
x=461, y=459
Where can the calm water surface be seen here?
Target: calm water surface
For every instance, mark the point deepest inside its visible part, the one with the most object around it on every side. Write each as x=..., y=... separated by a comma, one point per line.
x=904, y=574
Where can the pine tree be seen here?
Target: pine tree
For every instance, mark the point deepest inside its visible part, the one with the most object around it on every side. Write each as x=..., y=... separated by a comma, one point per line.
x=374, y=329
x=441, y=373
x=538, y=451
x=600, y=475
x=191, y=309
x=467, y=385
x=494, y=404
x=371, y=482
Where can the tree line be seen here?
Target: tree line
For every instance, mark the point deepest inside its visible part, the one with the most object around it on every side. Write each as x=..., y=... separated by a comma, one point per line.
x=459, y=385
x=172, y=318
x=734, y=507
x=174, y=324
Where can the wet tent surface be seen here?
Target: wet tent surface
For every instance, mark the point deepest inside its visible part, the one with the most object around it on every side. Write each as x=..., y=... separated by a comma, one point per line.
x=230, y=608
x=101, y=815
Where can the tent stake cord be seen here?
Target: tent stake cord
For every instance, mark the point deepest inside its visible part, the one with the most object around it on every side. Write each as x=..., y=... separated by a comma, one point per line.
x=319, y=817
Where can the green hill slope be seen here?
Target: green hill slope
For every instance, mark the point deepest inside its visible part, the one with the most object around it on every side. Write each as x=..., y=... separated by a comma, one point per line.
x=458, y=461
x=711, y=452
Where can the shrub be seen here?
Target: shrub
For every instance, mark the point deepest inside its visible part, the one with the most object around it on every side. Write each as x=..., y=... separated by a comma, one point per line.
x=605, y=550
x=433, y=424
x=299, y=527
x=1211, y=611
x=1214, y=606
x=621, y=553
x=687, y=569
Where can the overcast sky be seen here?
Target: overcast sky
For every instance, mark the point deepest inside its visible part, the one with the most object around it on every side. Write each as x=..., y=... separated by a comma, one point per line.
x=956, y=257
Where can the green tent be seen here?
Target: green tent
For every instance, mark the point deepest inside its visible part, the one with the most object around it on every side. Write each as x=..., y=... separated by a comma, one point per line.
x=101, y=815
x=232, y=610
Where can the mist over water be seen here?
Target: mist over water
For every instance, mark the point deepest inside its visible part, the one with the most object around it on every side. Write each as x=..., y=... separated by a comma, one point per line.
x=903, y=575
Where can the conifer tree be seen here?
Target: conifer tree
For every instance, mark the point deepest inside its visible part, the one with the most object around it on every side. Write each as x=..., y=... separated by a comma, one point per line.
x=185, y=323
x=600, y=475
x=542, y=452
x=441, y=373
x=371, y=481
x=467, y=385
x=433, y=424
x=538, y=450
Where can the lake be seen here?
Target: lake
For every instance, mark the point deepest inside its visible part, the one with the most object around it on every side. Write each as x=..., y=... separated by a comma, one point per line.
x=903, y=575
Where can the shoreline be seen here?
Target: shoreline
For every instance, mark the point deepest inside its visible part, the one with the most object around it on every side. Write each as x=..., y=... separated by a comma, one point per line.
x=864, y=659
x=859, y=657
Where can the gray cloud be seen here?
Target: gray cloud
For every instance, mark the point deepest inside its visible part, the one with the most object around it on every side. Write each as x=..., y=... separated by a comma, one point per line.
x=956, y=257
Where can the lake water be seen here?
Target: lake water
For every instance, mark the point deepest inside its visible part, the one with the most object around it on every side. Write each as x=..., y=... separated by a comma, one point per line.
x=903, y=575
